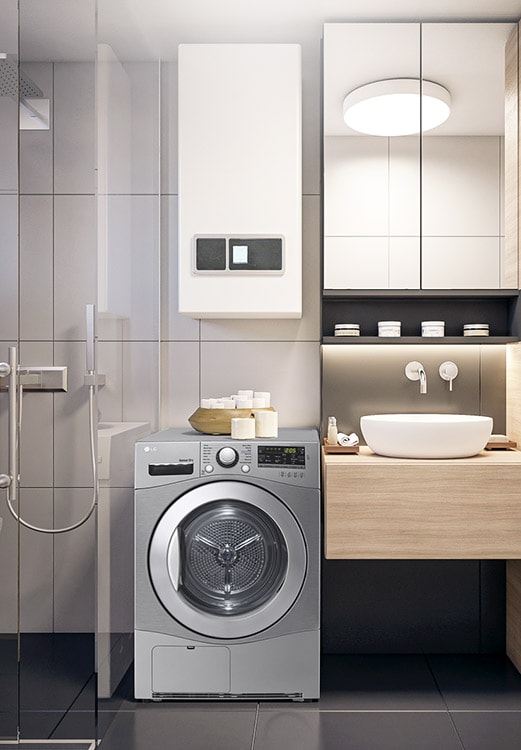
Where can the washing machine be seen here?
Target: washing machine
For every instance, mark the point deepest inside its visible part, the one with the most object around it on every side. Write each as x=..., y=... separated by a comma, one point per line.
x=227, y=559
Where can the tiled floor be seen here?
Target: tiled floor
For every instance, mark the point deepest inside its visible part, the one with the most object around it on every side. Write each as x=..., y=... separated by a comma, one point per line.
x=367, y=703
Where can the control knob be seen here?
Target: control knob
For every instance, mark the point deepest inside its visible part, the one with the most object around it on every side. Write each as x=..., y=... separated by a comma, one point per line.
x=227, y=457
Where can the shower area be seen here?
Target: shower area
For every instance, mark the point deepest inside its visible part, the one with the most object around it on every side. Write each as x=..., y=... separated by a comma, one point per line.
x=84, y=210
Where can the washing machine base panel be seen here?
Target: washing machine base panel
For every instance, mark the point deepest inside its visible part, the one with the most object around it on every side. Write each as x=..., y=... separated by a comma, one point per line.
x=171, y=668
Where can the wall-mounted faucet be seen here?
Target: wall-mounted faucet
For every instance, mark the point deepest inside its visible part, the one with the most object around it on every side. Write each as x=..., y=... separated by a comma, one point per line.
x=415, y=371
x=449, y=371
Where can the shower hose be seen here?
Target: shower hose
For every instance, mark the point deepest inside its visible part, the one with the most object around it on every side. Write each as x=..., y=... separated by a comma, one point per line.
x=94, y=501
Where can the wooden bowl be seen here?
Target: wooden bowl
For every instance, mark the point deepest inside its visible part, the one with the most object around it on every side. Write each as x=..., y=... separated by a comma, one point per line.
x=219, y=421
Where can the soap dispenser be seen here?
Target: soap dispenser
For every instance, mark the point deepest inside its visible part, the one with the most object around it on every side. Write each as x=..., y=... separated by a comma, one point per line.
x=332, y=431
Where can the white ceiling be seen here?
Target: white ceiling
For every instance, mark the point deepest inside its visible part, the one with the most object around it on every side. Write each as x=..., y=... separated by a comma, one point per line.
x=152, y=29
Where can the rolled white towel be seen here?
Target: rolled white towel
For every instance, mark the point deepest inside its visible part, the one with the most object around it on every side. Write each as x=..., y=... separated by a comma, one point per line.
x=348, y=440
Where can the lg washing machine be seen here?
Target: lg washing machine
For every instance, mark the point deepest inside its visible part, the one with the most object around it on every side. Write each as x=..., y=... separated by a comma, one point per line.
x=227, y=558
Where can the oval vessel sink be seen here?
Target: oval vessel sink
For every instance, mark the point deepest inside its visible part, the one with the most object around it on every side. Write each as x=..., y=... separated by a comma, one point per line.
x=426, y=435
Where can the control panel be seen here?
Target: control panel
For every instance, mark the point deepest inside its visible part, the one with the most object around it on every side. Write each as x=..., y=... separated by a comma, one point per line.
x=286, y=463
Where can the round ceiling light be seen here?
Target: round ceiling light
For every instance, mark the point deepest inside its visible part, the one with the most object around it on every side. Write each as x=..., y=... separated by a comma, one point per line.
x=392, y=107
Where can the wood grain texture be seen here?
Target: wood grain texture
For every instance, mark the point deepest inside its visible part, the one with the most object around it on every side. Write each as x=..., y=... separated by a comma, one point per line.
x=513, y=624
x=513, y=392
x=512, y=176
x=380, y=508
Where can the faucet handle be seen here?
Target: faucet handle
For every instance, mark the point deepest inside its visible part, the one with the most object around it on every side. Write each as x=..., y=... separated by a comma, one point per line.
x=413, y=370
x=449, y=371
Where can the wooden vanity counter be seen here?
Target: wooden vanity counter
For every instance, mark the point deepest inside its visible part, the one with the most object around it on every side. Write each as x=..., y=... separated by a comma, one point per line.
x=382, y=508
x=394, y=508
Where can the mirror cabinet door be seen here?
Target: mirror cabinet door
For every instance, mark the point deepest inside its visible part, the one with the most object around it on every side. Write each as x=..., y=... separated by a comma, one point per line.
x=411, y=212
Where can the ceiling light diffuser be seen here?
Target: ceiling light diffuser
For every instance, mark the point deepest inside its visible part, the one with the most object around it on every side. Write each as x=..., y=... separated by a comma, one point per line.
x=392, y=107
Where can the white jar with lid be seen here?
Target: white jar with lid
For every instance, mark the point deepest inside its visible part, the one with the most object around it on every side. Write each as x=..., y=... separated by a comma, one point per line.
x=347, y=329
x=433, y=328
x=476, y=329
x=389, y=328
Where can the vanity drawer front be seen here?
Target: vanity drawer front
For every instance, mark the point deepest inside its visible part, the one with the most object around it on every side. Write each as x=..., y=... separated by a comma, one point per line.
x=468, y=509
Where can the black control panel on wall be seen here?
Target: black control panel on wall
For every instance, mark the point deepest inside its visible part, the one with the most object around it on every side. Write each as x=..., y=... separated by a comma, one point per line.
x=239, y=254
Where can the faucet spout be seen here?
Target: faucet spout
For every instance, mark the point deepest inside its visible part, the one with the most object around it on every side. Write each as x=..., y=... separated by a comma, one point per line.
x=423, y=380
x=416, y=371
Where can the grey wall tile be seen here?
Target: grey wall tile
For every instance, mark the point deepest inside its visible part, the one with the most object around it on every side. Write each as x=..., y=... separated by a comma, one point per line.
x=36, y=435
x=110, y=396
x=173, y=326
x=8, y=146
x=74, y=123
x=74, y=263
x=9, y=274
x=72, y=463
x=36, y=146
x=144, y=112
x=179, y=382
x=141, y=383
x=169, y=128
x=74, y=563
x=36, y=267
x=36, y=561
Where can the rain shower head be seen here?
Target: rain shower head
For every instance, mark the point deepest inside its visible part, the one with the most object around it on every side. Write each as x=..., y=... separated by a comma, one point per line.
x=14, y=83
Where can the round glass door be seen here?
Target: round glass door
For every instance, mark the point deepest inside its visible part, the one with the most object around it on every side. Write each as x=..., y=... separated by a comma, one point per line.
x=227, y=559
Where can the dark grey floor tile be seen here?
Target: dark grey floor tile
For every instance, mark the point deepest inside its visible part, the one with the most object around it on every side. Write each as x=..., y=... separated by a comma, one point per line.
x=374, y=682
x=489, y=730
x=323, y=730
x=166, y=727
x=82, y=724
x=477, y=682
x=8, y=724
x=36, y=725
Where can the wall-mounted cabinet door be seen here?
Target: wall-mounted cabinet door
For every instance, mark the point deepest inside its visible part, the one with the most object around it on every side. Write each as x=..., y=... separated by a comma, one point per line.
x=411, y=211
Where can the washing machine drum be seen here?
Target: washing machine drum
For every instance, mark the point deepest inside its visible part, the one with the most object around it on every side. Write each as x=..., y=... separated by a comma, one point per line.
x=227, y=559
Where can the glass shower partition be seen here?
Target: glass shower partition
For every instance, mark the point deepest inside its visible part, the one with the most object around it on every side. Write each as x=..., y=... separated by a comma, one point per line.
x=48, y=539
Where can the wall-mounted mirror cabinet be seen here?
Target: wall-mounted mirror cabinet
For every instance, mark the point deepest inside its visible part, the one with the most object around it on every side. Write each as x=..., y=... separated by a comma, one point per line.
x=426, y=210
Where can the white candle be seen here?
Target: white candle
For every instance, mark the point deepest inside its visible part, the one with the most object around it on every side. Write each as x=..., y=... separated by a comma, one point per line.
x=243, y=428
x=244, y=403
x=228, y=403
x=259, y=403
x=206, y=403
x=266, y=395
x=245, y=394
x=266, y=424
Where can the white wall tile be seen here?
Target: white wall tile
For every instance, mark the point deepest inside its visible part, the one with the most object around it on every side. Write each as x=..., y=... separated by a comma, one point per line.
x=74, y=563
x=74, y=123
x=290, y=371
x=36, y=146
x=356, y=186
x=179, y=382
x=36, y=267
x=356, y=263
x=74, y=263
x=461, y=177
x=72, y=463
x=306, y=328
x=9, y=266
x=460, y=262
x=404, y=262
x=36, y=436
x=404, y=186
x=141, y=382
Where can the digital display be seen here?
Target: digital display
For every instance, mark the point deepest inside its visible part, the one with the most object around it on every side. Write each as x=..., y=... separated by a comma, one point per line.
x=281, y=455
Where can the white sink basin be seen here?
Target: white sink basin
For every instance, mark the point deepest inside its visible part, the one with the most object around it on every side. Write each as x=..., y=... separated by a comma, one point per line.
x=426, y=435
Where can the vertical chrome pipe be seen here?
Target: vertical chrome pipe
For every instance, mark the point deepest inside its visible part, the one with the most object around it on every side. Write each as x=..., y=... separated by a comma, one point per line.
x=90, y=312
x=12, y=490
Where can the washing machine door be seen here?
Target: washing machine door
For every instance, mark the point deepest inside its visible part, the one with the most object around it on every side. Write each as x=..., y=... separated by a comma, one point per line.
x=227, y=559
